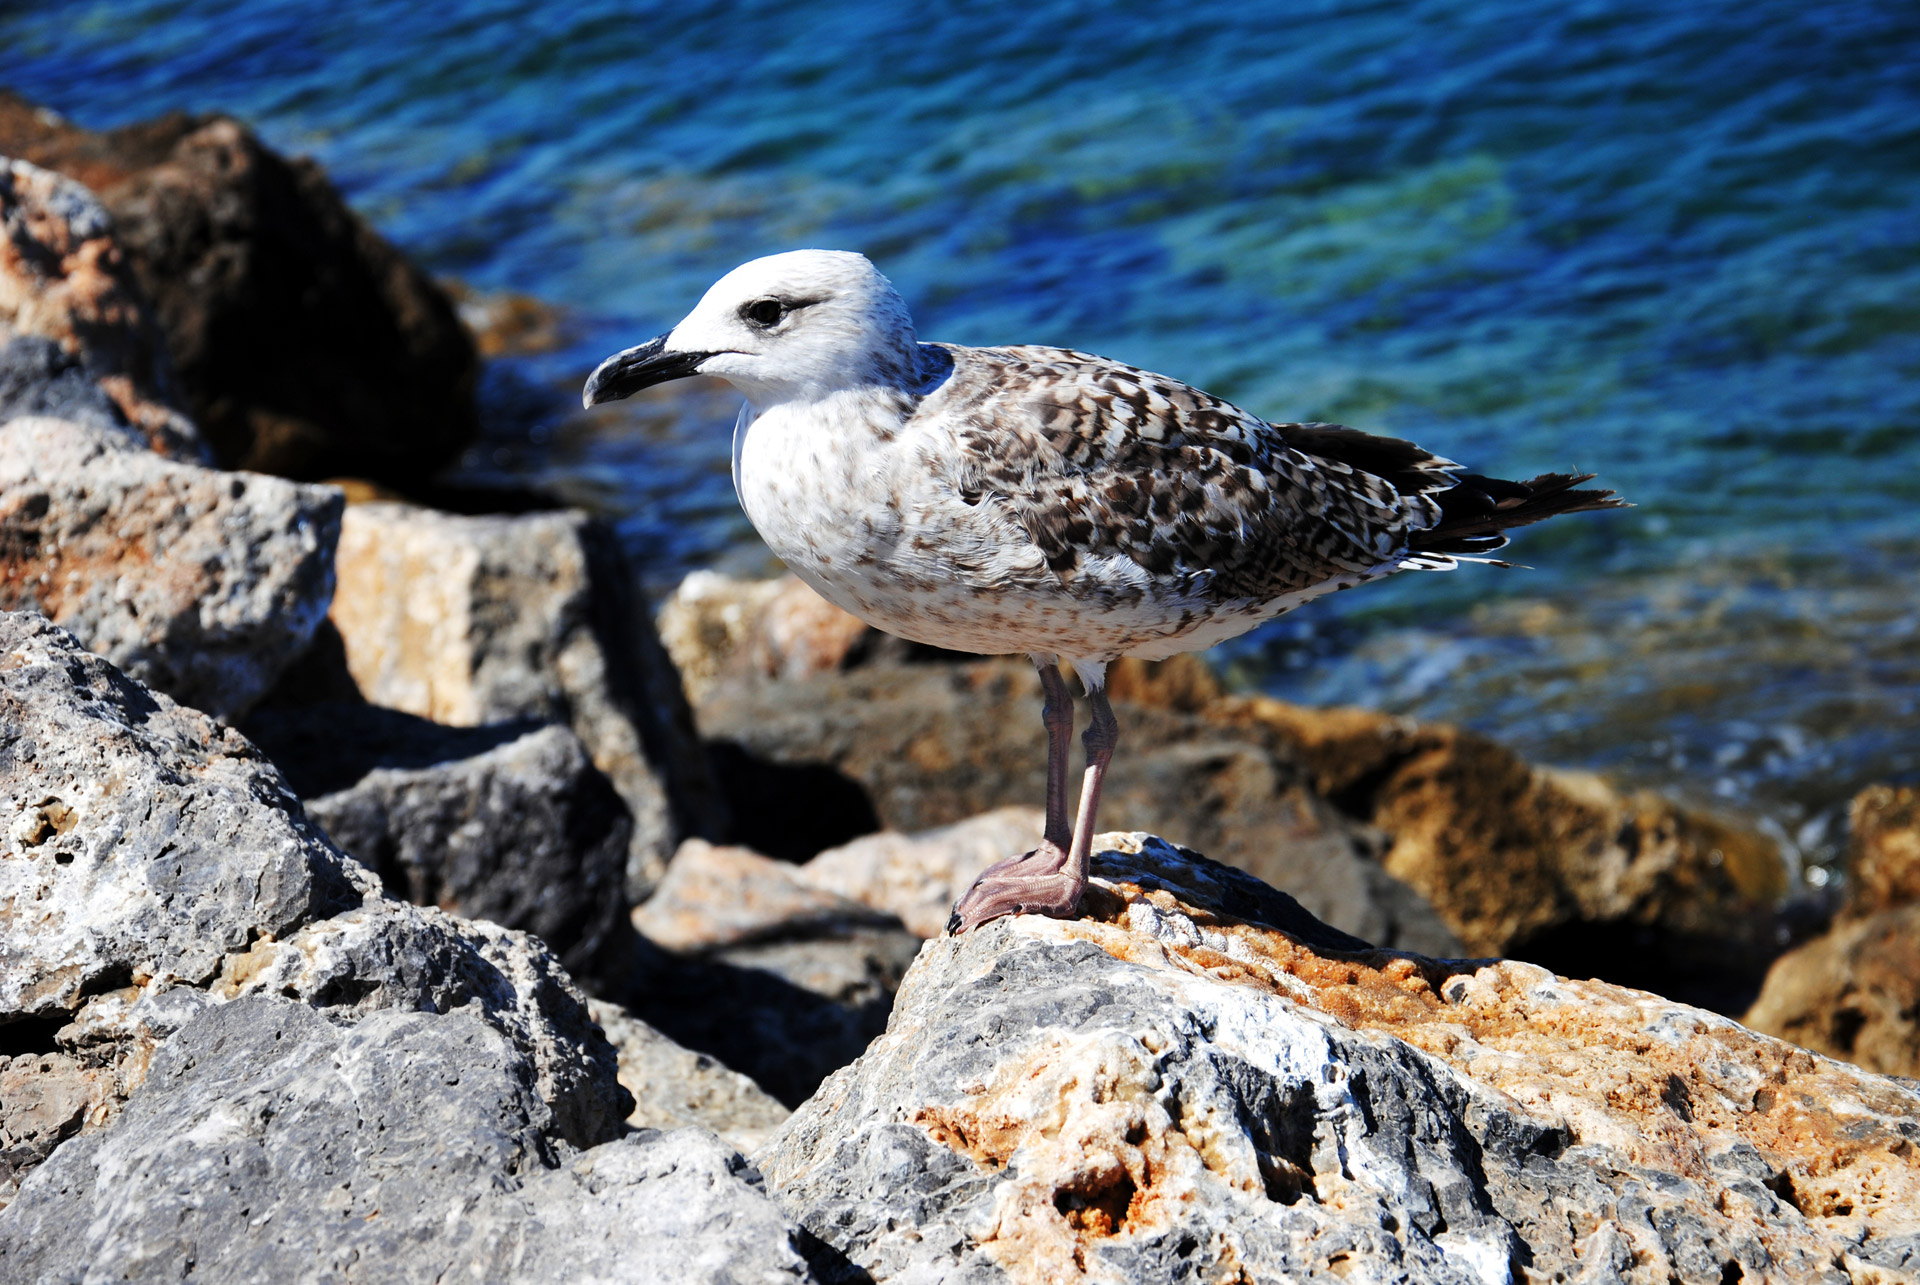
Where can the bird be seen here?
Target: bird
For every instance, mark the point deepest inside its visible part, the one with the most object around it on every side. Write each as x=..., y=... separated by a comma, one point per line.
x=1048, y=501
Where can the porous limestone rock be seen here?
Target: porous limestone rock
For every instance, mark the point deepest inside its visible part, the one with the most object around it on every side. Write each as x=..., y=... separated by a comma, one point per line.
x=271, y=1144
x=674, y=1087
x=529, y=835
x=742, y=960
x=304, y=343
x=77, y=334
x=1195, y=1080
x=1883, y=850
x=474, y=620
x=202, y=584
x=153, y=865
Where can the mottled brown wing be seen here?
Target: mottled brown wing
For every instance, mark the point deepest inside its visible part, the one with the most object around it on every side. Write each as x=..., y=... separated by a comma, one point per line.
x=1098, y=458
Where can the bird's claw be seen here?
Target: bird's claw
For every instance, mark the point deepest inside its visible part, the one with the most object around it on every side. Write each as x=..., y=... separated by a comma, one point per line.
x=1034, y=883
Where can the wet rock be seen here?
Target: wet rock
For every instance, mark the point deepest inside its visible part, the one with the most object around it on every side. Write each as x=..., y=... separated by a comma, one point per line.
x=271, y=1144
x=200, y=583
x=371, y=374
x=744, y=961
x=1195, y=1080
x=1883, y=855
x=78, y=339
x=918, y=877
x=675, y=1087
x=529, y=836
x=1853, y=993
x=154, y=865
x=1557, y=867
x=934, y=744
x=477, y=620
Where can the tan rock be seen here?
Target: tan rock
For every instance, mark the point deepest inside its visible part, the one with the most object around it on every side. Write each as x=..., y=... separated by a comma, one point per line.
x=714, y=897
x=715, y=627
x=1852, y=993
x=673, y=1087
x=1195, y=1080
x=1883, y=858
x=78, y=336
x=1506, y=851
x=919, y=876
x=472, y=620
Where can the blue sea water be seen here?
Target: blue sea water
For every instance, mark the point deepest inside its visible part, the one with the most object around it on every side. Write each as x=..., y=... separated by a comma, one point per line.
x=1677, y=245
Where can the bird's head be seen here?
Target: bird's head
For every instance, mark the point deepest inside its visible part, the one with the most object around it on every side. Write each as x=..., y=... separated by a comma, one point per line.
x=789, y=327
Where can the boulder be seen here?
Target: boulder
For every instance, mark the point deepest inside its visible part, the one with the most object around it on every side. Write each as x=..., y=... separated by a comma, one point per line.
x=78, y=339
x=529, y=836
x=1883, y=854
x=154, y=865
x=477, y=620
x=674, y=1087
x=934, y=744
x=271, y=1144
x=744, y=961
x=918, y=877
x=305, y=345
x=200, y=583
x=1852, y=993
x=717, y=628
x=1195, y=1080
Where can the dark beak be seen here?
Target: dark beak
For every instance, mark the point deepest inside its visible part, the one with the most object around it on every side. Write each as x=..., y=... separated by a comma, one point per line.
x=626, y=373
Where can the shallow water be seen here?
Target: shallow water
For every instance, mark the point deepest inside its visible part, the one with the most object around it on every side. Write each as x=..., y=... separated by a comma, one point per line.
x=1678, y=245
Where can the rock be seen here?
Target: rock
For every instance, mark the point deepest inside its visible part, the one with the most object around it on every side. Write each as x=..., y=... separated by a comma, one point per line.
x=271, y=1144
x=674, y=1087
x=716, y=627
x=154, y=865
x=200, y=583
x=305, y=344
x=1196, y=1081
x=1883, y=856
x=331, y=745
x=78, y=338
x=934, y=744
x=778, y=979
x=475, y=620
x=529, y=836
x=1853, y=993
x=918, y=877
x=1513, y=855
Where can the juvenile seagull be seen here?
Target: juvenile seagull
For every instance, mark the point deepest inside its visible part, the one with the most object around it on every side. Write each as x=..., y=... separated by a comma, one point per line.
x=1047, y=501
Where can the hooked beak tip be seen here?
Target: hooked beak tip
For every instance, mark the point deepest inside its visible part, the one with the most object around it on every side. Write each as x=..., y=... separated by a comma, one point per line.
x=626, y=373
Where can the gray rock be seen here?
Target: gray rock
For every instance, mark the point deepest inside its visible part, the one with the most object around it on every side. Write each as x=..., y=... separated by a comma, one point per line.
x=475, y=620
x=674, y=1087
x=777, y=979
x=1195, y=1081
x=78, y=336
x=529, y=835
x=271, y=1144
x=154, y=865
x=202, y=584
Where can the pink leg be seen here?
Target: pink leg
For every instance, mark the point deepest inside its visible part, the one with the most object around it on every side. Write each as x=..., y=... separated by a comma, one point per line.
x=1051, y=879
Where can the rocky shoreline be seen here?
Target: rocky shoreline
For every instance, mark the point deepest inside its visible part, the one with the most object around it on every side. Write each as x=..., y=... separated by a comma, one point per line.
x=390, y=893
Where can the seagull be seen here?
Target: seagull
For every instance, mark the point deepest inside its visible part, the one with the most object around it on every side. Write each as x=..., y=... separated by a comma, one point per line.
x=1047, y=501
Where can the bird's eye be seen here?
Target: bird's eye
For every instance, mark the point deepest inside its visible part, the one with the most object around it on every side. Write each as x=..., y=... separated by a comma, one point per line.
x=765, y=312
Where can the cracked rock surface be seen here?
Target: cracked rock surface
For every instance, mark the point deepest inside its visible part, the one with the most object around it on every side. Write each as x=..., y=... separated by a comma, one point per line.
x=202, y=584
x=269, y=1144
x=1197, y=1081
x=154, y=865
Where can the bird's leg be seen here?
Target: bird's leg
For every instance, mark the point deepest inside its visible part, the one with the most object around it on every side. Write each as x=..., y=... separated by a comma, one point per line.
x=1032, y=880
x=1102, y=735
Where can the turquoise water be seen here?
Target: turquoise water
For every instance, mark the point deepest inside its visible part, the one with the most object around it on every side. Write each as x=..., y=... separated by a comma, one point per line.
x=1677, y=245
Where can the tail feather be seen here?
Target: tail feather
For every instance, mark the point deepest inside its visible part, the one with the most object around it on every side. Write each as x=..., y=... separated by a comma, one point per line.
x=1476, y=510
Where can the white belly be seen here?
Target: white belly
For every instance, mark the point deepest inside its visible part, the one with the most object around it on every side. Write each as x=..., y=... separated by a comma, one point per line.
x=876, y=528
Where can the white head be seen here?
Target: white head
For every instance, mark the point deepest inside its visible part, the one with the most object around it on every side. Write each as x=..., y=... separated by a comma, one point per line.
x=789, y=327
